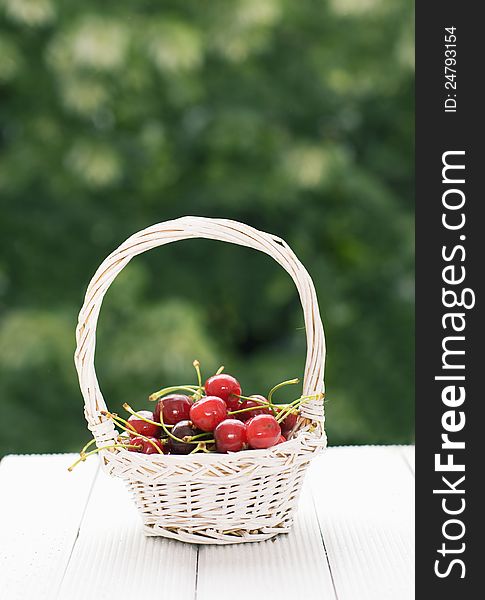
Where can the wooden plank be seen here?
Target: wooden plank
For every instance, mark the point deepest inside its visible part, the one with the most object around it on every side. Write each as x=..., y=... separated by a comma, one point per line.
x=364, y=498
x=113, y=559
x=41, y=507
x=291, y=565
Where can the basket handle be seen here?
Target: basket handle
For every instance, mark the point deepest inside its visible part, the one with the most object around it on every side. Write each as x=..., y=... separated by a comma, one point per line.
x=171, y=231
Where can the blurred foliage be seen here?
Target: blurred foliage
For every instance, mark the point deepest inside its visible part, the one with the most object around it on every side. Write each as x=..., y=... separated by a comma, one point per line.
x=295, y=117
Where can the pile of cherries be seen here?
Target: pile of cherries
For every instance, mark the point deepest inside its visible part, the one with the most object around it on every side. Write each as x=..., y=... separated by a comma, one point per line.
x=214, y=417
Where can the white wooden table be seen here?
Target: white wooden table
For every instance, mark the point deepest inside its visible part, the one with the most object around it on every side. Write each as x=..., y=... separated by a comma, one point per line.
x=76, y=536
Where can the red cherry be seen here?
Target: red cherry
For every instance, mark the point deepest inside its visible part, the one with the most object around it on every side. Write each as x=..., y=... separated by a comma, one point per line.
x=280, y=440
x=181, y=430
x=146, y=446
x=175, y=407
x=263, y=431
x=226, y=387
x=208, y=412
x=137, y=444
x=262, y=410
x=230, y=435
x=150, y=448
x=142, y=427
x=288, y=423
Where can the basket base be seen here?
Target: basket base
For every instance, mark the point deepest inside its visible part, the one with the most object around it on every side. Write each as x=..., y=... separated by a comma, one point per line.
x=214, y=536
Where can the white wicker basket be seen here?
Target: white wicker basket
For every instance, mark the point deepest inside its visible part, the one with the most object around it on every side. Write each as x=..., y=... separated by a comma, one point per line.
x=209, y=498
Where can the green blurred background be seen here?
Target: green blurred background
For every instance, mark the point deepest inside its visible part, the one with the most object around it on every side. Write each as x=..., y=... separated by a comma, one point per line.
x=296, y=117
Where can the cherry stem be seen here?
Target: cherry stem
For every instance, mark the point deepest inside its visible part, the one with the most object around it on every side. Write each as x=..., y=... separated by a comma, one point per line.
x=90, y=443
x=201, y=447
x=289, y=408
x=84, y=456
x=196, y=365
x=193, y=438
x=261, y=402
x=119, y=421
x=244, y=410
x=128, y=408
x=241, y=397
x=199, y=393
x=168, y=390
x=219, y=370
x=280, y=385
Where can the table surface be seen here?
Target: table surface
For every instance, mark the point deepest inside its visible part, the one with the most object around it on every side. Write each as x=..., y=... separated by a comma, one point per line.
x=77, y=536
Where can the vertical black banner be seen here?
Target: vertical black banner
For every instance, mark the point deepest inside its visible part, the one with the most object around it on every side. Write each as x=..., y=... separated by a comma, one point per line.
x=450, y=238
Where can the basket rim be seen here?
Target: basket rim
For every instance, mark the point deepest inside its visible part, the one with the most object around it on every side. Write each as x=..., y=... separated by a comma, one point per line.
x=284, y=450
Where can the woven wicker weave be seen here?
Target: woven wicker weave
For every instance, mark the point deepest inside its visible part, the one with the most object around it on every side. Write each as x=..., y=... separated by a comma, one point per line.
x=209, y=498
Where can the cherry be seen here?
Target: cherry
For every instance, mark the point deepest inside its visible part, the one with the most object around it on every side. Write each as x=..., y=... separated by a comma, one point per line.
x=250, y=403
x=174, y=408
x=288, y=422
x=230, y=435
x=181, y=430
x=226, y=387
x=141, y=426
x=262, y=431
x=146, y=446
x=208, y=412
x=280, y=440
